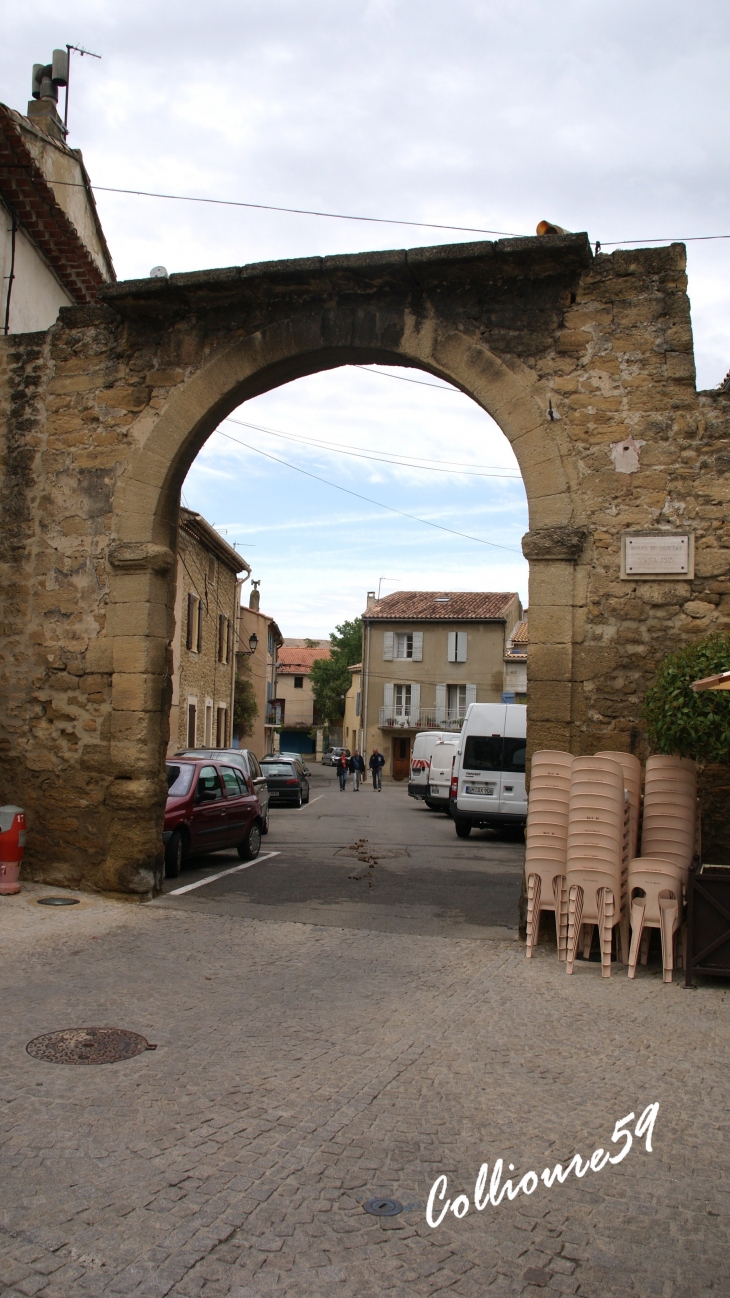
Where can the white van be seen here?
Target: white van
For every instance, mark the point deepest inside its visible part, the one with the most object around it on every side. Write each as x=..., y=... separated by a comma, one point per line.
x=423, y=746
x=442, y=764
x=489, y=788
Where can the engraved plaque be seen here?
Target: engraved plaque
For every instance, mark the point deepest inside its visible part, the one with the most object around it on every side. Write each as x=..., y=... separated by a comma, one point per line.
x=657, y=556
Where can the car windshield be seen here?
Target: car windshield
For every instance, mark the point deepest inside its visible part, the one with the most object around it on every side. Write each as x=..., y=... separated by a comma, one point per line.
x=279, y=768
x=179, y=779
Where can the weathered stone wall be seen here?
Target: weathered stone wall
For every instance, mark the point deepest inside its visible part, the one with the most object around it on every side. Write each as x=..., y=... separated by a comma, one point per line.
x=571, y=354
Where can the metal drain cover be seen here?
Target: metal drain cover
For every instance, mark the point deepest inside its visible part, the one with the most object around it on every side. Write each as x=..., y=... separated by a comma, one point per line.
x=58, y=901
x=383, y=1207
x=88, y=1046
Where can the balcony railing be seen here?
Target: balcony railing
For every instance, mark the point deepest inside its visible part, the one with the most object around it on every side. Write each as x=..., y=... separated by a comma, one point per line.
x=404, y=718
x=275, y=714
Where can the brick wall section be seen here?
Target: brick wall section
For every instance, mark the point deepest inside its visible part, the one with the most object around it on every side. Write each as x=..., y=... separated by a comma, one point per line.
x=569, y=353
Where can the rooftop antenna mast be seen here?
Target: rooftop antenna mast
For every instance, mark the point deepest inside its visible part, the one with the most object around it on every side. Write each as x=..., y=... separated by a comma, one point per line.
x=79, y=50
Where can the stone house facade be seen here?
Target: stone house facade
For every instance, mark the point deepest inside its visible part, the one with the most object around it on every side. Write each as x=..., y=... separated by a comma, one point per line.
x=515, y=664
x=426, y=656
x=352, y=720
x=293, y=707
x=204, y=647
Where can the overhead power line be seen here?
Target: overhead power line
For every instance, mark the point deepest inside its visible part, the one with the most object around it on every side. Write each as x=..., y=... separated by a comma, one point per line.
x=378, y=503
x=333, y=449
x=371, y=220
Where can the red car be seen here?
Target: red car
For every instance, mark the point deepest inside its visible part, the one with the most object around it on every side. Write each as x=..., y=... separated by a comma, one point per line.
x=210, y=805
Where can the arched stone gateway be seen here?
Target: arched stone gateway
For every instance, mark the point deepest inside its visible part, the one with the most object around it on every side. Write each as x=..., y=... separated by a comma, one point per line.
x=585, y=363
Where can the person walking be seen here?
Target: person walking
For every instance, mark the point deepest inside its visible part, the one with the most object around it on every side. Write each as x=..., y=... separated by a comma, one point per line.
x=357, y=766
x=343, y=766
x=376, y=764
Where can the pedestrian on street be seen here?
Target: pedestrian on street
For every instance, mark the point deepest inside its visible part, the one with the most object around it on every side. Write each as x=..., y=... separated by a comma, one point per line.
x=343, y=766
x=376, y=764
x=357, y=766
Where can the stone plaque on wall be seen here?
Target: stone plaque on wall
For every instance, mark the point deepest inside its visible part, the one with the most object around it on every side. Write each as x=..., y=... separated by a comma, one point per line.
x=653, y=556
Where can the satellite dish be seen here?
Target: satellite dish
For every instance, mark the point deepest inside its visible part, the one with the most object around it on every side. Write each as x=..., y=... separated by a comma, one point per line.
x=159, y=272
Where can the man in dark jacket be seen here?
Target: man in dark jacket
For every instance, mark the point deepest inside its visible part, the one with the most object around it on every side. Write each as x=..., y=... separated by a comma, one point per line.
x=357, y=766
x=376, y=764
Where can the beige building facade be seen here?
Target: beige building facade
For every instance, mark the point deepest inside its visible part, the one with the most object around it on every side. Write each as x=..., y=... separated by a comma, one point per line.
x=294, y=708
x=352, y=732
x=427, y=656
x=204, y=647
x=260, y=668
x=515, y=664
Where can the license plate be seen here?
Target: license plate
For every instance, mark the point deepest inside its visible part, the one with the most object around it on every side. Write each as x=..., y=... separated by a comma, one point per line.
x=438, y=792
x=486, y=790
x=273, y=794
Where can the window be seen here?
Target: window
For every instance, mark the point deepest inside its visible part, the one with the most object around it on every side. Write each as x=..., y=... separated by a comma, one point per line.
x=230, y=781
x=298, y=682
x=192, y=723
x=179, y=779
x=513, y=756
x=456, y=701
x=209, y=784
x=208, y=727
x=242, y=785
x=272, y=646
x=194, y=635
x=483, y=753
x=404, y=644
x=357, y=704
x=402, y=700
x=221, y=727
x=456, y=647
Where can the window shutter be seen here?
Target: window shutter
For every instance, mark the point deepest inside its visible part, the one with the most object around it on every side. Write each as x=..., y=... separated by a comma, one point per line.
x=415, y=704
x=388, y=695
x=268, y=691
x=200, y=626
x=451, y=651
x=357, y=704
x=418, y=646
x=229, y=639
x=440, y=703
x=471, y=694
x=388, y=647
x=461, y=646
x=189, y=640
x=221, y=624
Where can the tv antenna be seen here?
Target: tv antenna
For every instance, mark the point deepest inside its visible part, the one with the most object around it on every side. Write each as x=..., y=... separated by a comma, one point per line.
x=382, y=579
x=78, y=49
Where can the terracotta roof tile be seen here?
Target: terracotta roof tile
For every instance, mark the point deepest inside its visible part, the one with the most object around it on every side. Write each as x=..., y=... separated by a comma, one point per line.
x=294, y=661
x=441, y=605
x=519, y=634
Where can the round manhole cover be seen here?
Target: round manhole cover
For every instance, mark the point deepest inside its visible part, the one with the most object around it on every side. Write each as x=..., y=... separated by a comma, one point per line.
x=58, y=901
x=383, y=1207
x=88, y=1046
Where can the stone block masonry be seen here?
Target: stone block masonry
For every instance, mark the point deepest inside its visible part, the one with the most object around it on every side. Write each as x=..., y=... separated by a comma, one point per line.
x=102, y=416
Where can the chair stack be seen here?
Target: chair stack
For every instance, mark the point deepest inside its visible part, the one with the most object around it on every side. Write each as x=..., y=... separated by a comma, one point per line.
x=658, y=878
x=631, y=767
x=599, y=829
x=546, y=836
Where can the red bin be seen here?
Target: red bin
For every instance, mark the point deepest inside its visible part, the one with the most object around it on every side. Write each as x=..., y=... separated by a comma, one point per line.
x=12, y=847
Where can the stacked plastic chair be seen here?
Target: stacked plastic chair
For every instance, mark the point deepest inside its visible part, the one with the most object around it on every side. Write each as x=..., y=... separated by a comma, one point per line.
x=599, y=827
x=658, y=878
x=546, y=836
x=631, y=767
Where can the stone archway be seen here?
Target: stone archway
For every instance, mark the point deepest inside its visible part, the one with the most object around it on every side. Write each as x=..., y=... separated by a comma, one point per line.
x=568, y=353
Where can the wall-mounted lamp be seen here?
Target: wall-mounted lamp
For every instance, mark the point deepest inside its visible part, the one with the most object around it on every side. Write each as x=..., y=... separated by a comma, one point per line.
x=253, y=644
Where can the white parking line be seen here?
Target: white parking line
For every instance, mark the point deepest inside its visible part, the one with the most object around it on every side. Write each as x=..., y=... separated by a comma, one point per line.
x=175, y=892
x=313, y=800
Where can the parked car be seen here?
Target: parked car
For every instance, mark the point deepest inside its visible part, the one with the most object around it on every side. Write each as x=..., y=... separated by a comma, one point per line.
x=286, y=780
x=488, y=785
x=249, y=764
x=332, y=756
x=210, y=806
x=294, y=757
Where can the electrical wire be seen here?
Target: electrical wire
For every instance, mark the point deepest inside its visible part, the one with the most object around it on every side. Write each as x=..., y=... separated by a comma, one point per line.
x=390, y=508
x=332, y=448
x=401, y=378
x=372, y=220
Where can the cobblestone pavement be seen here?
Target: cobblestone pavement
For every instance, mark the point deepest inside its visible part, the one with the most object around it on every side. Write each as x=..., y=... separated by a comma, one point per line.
x=301, y=1069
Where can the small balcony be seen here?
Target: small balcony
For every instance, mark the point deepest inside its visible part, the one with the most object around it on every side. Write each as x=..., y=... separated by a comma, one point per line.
x=405, y=718
x=274, y=714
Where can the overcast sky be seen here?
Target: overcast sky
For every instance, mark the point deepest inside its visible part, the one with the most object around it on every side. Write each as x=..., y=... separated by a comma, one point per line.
x=610, y=118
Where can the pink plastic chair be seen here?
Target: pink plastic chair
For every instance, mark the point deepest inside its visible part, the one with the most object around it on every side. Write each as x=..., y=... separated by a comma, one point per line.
x=656, y=890
x=546, y=837
x=597, y=861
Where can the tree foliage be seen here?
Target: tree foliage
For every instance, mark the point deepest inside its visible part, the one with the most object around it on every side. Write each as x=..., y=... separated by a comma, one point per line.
x=330, y=677
x=682, y=722
x=245, y=707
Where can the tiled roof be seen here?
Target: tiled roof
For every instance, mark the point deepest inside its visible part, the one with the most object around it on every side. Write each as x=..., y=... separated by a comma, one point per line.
x=30, y=195
x=519, y=634
x=294, y=661
x=441, y=605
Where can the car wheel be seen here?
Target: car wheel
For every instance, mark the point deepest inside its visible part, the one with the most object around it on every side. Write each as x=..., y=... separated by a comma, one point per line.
x=249, y=849
x=265, y=826
x=307, y=797
x=463, y=828
x=299, y=799
x=174, y=855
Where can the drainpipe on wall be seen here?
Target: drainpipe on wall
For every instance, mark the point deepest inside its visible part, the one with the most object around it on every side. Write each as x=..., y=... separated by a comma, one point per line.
x=365, y=690
x=235, y=638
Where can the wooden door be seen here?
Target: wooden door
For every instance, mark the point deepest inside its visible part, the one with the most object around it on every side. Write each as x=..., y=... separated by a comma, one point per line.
x=401, y=759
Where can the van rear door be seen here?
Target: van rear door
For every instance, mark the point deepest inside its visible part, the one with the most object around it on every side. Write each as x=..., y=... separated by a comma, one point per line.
x=513, y=799
x=481, y=760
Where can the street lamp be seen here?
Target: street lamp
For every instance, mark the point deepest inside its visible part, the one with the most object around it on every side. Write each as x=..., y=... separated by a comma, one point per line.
x=253, y=644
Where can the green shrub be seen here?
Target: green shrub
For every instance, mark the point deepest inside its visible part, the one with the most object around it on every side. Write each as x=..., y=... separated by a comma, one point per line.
x=682, y=722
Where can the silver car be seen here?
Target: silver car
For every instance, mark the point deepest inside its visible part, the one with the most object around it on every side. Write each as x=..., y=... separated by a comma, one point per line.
x=332, y=756
x=248, y=763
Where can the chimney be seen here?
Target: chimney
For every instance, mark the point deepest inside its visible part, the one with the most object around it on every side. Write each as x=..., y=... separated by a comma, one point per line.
x=254, y=598
x=42, y=110
x=371, y=598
